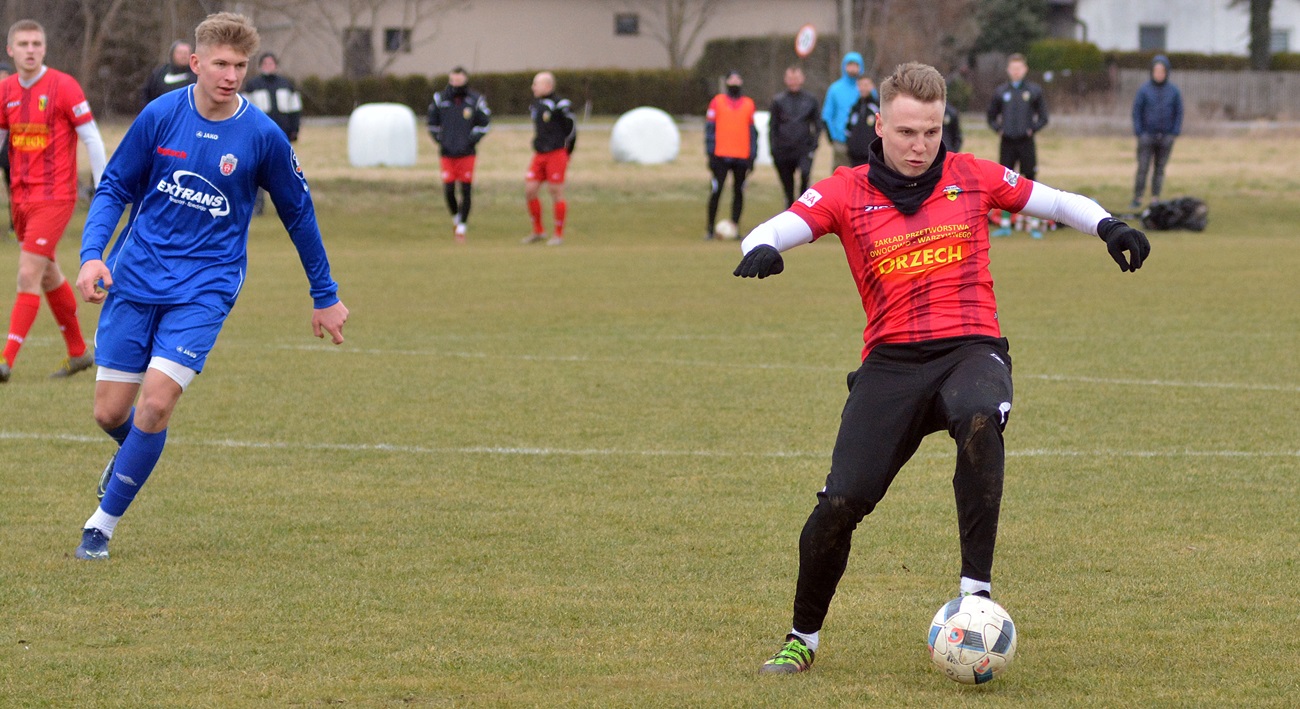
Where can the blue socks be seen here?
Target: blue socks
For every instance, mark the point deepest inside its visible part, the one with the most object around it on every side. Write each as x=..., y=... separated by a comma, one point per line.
x=135, y=461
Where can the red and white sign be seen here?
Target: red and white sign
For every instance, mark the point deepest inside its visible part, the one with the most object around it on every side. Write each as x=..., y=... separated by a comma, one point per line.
x=805, y=40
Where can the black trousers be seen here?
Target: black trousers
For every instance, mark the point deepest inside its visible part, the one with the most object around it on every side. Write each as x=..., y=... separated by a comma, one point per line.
x=721, y=167
x=1019, y=152
x=785, y=169
x=1152, y=148
x=900, y=394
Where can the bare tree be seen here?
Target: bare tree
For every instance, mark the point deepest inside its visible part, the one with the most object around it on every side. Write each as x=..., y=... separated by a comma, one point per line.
x=1261, y=32
x=675, y=24
x=99, y=26
x=349, y=25
x=898, y=31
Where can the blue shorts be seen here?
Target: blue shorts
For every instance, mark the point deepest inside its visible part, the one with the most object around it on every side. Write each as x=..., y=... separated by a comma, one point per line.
x=130, y=334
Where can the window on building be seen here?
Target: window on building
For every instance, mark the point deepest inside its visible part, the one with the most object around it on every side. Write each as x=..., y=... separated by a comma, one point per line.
x=397, y=39
x=627, y=24
x=1151, y=38
x=1279, y=42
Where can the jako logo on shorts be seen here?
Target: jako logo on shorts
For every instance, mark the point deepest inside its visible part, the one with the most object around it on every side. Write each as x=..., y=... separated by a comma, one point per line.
x=192, y=190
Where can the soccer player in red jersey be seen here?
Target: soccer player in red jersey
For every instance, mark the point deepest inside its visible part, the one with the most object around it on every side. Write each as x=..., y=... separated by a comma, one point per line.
x=914, y=228
x=42, y=113
x=554, y=135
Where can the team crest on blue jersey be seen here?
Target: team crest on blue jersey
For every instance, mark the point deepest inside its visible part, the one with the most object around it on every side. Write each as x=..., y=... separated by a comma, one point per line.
x=228, y=164
x=468, y=113
x=951, y=192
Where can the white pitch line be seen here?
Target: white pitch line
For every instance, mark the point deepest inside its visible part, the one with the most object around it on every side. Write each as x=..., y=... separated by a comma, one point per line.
x=1112, y=381
x=616, y=452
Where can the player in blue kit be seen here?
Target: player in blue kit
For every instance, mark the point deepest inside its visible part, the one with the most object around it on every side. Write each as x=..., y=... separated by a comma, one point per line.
x=190, y=166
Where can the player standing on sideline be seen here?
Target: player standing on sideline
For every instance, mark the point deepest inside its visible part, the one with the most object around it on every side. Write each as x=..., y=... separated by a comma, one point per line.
x=42, y=113
x=952, y=137
x=731, y=142
x=841, y=96
x=914, y=230
x=860, y=132
x=555, y=133
x=189, y=166
x=278, y=98
x=175, y=74
x=458, y=120
x=793, y=132
x=1157, y=121
x=1017, y=113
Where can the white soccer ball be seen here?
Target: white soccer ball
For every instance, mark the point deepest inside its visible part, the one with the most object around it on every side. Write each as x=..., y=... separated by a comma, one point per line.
x=725, y=229
x=972, y=640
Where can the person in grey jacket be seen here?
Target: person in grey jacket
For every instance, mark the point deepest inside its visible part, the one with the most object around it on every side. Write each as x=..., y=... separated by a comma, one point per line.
x=1157, y=120
x=1017, y=113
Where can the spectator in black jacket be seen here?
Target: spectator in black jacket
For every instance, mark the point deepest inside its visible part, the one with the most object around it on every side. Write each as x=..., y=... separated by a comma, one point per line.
x=793, y=131
x=458, y=120
x=1017, y=113
x=173, y=75
x=554, y=135
x=279, y=99
x=952, y=138
x=861, y=130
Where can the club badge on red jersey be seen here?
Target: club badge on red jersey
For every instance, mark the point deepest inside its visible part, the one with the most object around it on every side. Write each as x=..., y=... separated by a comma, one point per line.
x=228, y=164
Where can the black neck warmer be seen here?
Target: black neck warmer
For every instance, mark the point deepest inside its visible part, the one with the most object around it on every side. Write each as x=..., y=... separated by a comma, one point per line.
x=907, y=193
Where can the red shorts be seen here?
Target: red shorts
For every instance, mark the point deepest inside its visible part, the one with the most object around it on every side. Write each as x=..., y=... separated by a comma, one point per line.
x=40, y=225
x=548, y=167
x=458, y=169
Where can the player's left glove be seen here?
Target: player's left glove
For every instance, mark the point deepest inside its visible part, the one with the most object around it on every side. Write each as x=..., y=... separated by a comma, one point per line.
x=761, y=261
x=1121, y=237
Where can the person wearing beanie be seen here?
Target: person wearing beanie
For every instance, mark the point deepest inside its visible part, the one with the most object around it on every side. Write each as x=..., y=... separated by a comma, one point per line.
x=1157, y=121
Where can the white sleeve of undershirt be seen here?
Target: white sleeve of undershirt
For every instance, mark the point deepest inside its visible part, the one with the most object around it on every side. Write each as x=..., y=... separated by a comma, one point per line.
x=782, y=232
x=1073, y=210
x=89, y=133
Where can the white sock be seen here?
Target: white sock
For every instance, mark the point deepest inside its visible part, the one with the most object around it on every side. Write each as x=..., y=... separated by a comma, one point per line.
x=969, y=586
x=809, y=639
x=102, y=521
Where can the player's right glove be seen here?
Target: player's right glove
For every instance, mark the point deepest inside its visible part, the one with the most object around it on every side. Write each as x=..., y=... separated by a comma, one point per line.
x=1121, y=237
x=761, y=261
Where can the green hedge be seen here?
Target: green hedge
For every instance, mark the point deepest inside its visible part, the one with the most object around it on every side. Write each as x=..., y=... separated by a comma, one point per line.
x=761, y=60
x=609, y=92
x=1058, y=55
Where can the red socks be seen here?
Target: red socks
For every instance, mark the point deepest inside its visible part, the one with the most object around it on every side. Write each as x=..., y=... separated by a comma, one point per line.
x=26, y=306
x=535, y=211
x=64, y=306
x=560, y=209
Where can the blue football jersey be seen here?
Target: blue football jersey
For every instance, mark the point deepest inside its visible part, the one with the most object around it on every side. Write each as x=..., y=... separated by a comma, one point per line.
x=191, y=185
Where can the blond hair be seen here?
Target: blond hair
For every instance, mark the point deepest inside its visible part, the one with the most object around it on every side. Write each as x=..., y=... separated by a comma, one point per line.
x=23, y=26
x=227, y=29
x=919, y=81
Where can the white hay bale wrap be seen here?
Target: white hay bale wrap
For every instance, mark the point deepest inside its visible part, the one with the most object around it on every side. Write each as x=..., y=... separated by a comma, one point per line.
x=646, y=136
x=382, y=134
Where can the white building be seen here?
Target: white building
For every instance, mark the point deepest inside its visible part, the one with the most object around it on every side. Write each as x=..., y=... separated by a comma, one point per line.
x=1204, y=26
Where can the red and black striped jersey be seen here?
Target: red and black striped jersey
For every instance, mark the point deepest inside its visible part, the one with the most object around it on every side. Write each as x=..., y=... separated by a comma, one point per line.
x=926, y=275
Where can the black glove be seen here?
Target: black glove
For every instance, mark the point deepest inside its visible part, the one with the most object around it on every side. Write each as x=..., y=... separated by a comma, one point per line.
x=1121, y=237
x=761, y=262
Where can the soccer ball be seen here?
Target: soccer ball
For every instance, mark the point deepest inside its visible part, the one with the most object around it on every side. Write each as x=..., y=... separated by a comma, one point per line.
x=972, y=640
x=725, y=229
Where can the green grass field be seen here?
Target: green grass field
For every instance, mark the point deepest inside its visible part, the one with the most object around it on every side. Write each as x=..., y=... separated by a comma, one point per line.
x=576, y=476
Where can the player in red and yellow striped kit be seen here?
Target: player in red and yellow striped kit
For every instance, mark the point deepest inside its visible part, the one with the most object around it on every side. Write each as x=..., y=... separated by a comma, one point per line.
x=42, y=113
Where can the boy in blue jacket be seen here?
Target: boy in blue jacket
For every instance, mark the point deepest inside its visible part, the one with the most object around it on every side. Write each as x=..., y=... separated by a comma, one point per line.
x=1157, y=120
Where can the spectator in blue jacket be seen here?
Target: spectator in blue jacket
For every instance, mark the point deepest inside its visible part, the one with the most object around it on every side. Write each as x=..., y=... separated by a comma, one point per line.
x=1157, y=120
x=841, y=97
